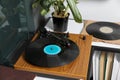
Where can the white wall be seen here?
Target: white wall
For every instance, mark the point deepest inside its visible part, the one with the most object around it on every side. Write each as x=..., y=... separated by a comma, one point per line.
x=100, y=10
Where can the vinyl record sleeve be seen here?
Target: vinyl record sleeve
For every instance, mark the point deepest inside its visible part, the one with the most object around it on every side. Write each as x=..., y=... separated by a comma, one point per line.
x=96, y=58
x=116, y=66
x=102, y=65
x=109, y=65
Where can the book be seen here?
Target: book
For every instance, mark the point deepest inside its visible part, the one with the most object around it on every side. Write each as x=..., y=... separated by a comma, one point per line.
x=109, y=65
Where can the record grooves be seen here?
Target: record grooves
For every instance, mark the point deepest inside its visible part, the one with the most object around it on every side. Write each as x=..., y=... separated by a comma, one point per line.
x=104, y=30
x=38, y=52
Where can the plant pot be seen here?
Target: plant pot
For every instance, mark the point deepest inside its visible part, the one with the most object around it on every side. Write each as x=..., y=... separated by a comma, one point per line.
x=60, y=24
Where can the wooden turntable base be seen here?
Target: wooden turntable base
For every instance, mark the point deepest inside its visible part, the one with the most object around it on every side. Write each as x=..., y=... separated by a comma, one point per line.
x=77, y=69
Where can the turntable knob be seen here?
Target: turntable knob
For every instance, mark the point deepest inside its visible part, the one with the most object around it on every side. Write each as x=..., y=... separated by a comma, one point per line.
x=83, y=37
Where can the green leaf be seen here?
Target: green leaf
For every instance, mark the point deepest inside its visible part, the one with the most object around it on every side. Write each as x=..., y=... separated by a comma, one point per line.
x=75, y=11
x=43, y=12
x=43, y=4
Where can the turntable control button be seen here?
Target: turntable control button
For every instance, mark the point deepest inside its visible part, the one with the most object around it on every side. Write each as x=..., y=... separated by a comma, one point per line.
x=52, y=49
x=83, y=37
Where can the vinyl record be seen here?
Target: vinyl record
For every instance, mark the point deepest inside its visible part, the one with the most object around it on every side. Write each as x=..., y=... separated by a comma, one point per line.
x=104, y=30
x=48, y=52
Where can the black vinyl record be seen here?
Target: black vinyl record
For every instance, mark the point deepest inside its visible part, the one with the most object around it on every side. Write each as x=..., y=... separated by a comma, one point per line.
x=36, y=55
x=104, y=30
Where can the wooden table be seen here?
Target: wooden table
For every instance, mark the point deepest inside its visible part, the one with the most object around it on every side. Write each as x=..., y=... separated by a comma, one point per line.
x=77, y=69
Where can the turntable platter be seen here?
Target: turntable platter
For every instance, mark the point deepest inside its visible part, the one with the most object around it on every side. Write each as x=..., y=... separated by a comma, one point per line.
x=48, y=52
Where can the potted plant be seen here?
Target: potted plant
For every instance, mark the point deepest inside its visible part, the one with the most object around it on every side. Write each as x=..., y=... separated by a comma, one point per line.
x=60, y=14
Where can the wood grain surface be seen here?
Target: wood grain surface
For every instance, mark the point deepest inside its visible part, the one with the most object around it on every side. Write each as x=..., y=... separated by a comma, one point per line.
x=77, y=69
x=87, y=22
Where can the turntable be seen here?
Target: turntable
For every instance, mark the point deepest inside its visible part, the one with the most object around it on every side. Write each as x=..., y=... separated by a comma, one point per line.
x=58, y=54
x=51, y=50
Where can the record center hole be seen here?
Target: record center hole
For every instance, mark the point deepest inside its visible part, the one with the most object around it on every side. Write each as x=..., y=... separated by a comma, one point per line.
x=106, y=29
x=51, y=48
